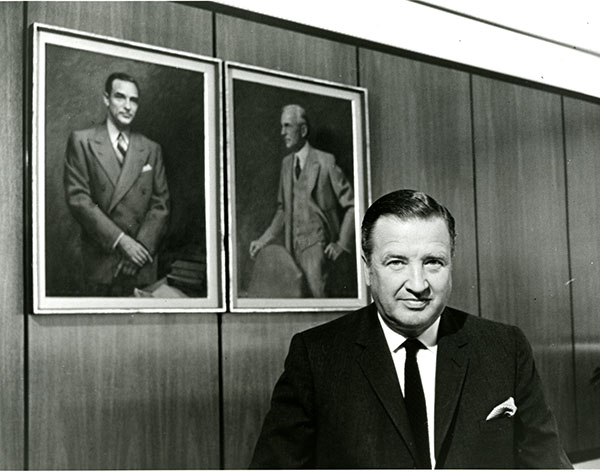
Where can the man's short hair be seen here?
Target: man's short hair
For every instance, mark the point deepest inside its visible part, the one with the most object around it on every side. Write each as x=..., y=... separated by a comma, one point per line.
x=299, y=112
x=405, y=205
x=120, y=76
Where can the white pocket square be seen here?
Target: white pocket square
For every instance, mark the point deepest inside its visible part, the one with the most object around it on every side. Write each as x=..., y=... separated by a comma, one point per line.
x=146, y=168
x=506, y=408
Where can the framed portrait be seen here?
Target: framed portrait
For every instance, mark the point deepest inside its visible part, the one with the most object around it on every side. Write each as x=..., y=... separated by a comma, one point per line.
x=126, y=179
x=297, y=163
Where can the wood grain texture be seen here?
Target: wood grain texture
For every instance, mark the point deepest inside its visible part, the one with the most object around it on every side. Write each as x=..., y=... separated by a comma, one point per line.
x=275, y=48
x=11, y=238
x=522, y=228
x=162, y=24
x=125, y=392
x=254, y=349
x=582, y=137
x=420, y=137
x=255, y=346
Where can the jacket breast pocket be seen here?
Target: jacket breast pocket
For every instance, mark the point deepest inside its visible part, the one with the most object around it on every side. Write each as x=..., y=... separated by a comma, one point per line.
x=503, y=423
x=493, y=447
x=145, y=178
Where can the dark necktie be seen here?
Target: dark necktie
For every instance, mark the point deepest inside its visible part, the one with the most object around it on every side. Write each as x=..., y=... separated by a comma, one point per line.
x=415, y=402
x=297, y=169
x=122, y=147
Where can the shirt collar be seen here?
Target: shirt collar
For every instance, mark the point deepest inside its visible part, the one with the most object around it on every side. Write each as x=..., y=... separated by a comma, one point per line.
x=113, y=132
x=302, y=154
x=394, y=340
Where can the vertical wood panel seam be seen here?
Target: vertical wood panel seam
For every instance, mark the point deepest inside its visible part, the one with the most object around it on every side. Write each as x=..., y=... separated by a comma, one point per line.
x=358, y=76
x=214, y=34
x=220, y=386
x=473, y=155
x=25, y=186
x=569, y=266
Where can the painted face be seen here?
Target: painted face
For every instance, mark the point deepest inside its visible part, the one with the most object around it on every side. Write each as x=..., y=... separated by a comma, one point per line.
x=410, y=272
x=122, y=103
x=293, y=131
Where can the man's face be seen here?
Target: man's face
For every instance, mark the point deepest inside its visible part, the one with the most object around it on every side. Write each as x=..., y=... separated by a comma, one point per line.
x=293, y=132
x=410, y=272
x=122, y=103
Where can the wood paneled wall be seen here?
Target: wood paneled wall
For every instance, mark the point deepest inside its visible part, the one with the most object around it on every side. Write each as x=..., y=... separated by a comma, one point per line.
x=119, y=391
x=254, y=346
x=420, y=133
x=12, y=372
x=517, y=166
x=522, y=228
x=582, y=137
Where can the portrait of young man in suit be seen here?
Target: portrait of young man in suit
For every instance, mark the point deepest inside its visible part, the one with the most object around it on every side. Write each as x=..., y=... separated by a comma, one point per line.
x=116, y=189
x=408, y=382
x=315, y=205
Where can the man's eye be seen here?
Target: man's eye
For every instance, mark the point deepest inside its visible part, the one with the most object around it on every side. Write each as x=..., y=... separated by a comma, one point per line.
x=434, y=262
x=395, y=262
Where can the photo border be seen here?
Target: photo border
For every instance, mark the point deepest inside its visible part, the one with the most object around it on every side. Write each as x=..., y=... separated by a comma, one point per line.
x=211, y=68
x=361, y=183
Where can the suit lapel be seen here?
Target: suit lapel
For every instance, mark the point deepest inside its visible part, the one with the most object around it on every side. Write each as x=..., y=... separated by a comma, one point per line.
x=312, y=168
x=452, y=363
x=377, y=365
x=105, y=154
x=134, y=161
x=287, y=175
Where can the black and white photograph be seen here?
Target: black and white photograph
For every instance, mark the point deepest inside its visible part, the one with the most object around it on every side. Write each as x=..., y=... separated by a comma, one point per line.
x=327, y=235
x=125, y=173
x=297, y=157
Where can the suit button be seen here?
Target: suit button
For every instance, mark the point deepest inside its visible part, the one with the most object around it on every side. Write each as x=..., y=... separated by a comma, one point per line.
x=103, y=188
x=143, y=191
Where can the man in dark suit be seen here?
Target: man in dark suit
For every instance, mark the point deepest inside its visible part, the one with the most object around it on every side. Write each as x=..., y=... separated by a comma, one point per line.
x=116, y=189
x=315, y=205
x=408, y=382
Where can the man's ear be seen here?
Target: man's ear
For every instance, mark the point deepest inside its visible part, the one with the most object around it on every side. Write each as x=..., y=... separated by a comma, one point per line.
x=105, y=99
x=365, y=268
x=304, y=130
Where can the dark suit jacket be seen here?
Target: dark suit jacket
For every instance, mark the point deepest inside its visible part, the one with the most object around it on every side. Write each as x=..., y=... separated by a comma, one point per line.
x=331, y=195
x=338, y=403
x=106, y=199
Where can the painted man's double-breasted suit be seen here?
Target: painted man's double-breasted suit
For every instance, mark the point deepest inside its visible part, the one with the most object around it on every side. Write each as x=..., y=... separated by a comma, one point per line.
x=106, y=199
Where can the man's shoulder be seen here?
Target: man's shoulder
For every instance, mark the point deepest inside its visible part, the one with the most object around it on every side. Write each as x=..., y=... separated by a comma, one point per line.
x=346, y=326
x=85, y=133
x=323, y=156
x=482, y=323
x=479, y=329
x=287, y=159
x=143, y=139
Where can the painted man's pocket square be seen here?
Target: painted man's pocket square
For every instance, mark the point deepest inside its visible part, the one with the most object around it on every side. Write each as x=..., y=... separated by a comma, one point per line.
x=147, y=168
x=507, y=408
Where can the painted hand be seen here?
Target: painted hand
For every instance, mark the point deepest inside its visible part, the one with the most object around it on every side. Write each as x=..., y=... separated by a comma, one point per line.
x=134, y=251
x=333, y=251
x=255, y=247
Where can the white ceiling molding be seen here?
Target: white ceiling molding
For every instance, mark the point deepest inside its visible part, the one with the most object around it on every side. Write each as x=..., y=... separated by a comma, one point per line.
x=556, y=43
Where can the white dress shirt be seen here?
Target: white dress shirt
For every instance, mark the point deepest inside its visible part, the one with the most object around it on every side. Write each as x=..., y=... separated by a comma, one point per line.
x=301, y=156
x=426, y=359
x=113, y=134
